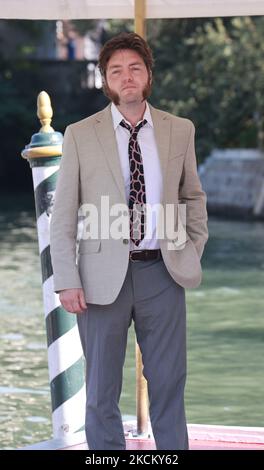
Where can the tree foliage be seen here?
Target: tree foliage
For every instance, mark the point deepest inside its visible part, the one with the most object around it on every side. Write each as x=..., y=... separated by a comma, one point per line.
x=211, y=70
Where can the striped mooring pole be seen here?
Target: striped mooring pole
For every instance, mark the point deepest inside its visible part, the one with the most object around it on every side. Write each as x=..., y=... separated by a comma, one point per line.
x=65, y=357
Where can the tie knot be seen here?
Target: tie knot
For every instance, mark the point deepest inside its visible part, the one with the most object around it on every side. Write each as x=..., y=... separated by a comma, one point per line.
x=133, y=130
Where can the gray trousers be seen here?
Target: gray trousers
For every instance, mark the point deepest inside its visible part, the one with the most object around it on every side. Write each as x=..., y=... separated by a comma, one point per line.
x=156, y=304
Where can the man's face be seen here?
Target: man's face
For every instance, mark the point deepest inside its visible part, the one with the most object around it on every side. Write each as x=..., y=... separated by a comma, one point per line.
x=127, y=78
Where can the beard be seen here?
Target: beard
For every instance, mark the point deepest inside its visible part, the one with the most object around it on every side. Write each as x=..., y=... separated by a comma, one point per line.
x=115, y=98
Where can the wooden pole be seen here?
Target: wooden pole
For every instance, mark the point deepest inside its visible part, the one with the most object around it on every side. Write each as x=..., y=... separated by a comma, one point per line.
x=140, y=16
x=141, y=395
x=141, y=387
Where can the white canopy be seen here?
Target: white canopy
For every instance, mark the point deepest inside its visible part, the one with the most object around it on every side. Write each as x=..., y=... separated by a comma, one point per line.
x=84, y=9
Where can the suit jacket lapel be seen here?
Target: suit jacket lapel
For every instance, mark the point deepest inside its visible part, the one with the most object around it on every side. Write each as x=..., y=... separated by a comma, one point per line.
x=162, y=132
x=106, y=136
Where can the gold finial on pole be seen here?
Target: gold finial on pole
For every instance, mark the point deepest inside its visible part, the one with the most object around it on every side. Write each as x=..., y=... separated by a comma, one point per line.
x=45, y=112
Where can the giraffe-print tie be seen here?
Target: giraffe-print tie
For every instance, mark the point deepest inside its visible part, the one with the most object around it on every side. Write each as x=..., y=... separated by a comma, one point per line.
x=137, y=194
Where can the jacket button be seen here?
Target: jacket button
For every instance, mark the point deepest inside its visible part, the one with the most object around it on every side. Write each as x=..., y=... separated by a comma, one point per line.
x=125, y=241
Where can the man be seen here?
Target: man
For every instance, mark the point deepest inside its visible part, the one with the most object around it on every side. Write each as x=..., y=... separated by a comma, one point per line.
x=134, y=155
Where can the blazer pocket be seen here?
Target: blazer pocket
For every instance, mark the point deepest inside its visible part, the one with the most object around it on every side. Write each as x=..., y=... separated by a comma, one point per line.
x=89, y=246
x=180, y=243
x=178, y=155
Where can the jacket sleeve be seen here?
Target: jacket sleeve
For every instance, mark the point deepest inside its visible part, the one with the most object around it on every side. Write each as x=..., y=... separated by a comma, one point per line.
x=191, y=194
x=63, y=230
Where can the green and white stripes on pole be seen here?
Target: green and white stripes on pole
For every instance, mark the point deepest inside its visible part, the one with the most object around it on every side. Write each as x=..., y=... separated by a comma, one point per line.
x=65, y=357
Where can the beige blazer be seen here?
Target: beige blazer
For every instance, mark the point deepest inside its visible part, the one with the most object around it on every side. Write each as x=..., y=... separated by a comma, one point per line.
x=90, y=168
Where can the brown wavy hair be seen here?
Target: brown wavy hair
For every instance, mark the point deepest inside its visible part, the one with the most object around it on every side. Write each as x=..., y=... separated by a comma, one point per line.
x=126, y=41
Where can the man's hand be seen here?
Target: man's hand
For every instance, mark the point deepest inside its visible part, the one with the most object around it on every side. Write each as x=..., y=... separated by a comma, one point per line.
x=73, y=300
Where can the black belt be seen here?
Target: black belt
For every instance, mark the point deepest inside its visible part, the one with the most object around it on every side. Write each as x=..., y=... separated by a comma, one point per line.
x=144, y=255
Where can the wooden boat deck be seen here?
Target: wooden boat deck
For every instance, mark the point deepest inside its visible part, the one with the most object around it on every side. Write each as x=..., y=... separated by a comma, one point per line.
x=202, y=437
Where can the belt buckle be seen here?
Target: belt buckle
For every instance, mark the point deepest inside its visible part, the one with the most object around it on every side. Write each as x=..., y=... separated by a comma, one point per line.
x=130, y=256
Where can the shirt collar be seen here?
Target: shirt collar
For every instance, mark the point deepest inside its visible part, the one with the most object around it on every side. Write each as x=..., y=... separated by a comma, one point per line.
x=117, y=116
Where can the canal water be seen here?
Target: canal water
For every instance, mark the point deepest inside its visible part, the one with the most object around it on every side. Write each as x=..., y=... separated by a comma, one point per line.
x=225, y=332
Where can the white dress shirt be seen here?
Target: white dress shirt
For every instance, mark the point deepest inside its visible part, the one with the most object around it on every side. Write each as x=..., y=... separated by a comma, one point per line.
x=152, y=170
